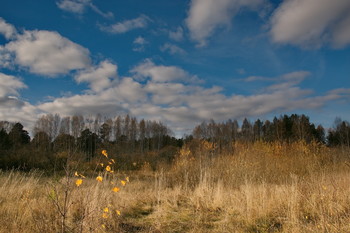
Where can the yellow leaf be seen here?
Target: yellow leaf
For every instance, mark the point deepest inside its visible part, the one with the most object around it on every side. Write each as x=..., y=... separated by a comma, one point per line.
x=78, y=182
x=127, y=179
x=115, y=189
x=112, y=160
x=99, y=178
x=76, y=174
x=123, y=182
x=104, y=152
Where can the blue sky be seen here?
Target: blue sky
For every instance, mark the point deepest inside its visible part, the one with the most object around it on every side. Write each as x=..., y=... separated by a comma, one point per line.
x=181, y=62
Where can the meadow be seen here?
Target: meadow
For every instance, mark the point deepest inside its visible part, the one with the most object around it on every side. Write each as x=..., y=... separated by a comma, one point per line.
x=256, y=187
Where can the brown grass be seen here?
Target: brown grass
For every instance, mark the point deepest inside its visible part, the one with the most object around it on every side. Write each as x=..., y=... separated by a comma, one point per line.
x=259, y=187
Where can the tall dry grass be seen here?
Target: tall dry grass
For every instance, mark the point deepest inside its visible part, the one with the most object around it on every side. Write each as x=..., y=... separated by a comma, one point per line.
x=259, y=187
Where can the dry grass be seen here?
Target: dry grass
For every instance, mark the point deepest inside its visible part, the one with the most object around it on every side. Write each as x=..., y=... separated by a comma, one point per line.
x=259, y=188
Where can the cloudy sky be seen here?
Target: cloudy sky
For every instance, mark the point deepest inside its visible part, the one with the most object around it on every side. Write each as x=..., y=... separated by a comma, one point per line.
x=181, y=62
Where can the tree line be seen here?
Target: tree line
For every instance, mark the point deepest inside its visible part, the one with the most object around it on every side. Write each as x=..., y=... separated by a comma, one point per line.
x=56, y=138
x=285, y=129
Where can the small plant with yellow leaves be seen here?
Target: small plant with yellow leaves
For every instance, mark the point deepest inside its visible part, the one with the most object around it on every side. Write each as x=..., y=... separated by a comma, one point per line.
x=79, y=180
x=108, y=177
x=104, y=153
x=61, y=195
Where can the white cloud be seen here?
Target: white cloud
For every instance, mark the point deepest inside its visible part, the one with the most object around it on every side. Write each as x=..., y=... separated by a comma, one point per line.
x=119, y=99
x=99, y=78
x=293, y=77
x=172, y=94
x=12, y=108
x=177, y=35
x=8, y=30
x=172, y=49
x=162, y=73
x=9, y=85
x=5, y=58
x=139, y=44
x=127, y=25
x=15, y=110
x=182, y=105
x=140, y=40
x=129, y=91
x=79, y=7
x=107, y=15
x=47, y=53
x=74, y=6
x=282, y=82
x=341, y=33
x=311, y=23
x=166, y=93
x=85, y=104
x=205, y=16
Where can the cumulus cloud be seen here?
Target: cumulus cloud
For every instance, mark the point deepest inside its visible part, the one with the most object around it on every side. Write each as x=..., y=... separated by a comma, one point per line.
x=9, y=85
x=166, y=93
x=341, y=33
x=160, y=73
x=47, y=53
x=120, y=98
x=172, y=94
x=15, y=110
x=129, y=91
x=79, y=7
x=99, y=78
x=205, y=16
x=85, y=104
x=5, y=58
x=172, y=49
x=181, y=105
x=12, y=108
x=311, y=23
x=127, y=25
x=8, y=30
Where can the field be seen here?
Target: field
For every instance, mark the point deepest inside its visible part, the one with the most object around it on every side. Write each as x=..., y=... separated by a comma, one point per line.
x=257, y=187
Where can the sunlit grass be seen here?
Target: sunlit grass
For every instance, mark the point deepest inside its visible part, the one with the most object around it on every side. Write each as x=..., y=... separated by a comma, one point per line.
x=261, y=187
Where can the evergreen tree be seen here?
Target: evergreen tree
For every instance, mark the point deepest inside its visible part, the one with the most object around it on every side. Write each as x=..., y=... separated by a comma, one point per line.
x=18, y=136
x=105, y=131
x=5, y=142
x=88, y=143
x=64, y=142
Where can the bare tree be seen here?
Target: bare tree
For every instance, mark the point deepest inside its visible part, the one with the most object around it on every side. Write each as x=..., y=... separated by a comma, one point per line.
x=65, y=126
x=117, y=128
x=142, y=129
x=77, y=125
